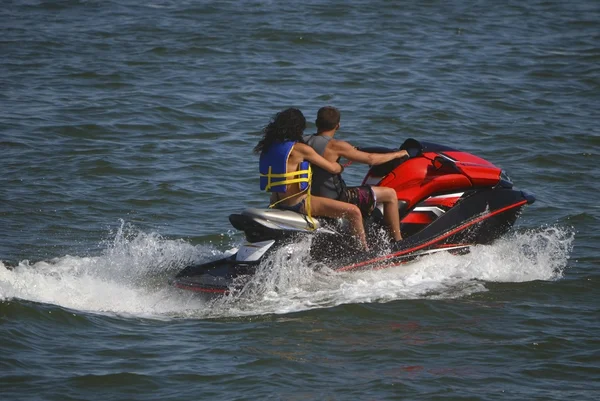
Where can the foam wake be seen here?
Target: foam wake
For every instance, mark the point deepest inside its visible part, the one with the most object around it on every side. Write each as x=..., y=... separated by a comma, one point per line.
x=131, y=276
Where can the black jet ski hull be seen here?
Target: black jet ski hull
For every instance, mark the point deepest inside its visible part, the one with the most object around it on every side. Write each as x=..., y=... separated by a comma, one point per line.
x=479, y=218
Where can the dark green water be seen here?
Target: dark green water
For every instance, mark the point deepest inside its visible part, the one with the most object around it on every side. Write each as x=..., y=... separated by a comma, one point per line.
x=126, y=131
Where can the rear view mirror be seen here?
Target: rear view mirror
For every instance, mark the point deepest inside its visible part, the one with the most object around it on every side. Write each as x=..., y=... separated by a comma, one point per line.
x=443, y=161
x=438, y=162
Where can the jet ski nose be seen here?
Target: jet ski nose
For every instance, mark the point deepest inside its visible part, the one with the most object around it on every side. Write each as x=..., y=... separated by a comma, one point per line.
x=528, y=196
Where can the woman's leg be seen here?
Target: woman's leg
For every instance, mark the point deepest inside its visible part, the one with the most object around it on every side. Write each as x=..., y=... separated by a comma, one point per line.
x=332, y=208
x=388, y=197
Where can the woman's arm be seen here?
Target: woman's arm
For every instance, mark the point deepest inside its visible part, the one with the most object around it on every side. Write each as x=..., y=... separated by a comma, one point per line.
x=308, y=153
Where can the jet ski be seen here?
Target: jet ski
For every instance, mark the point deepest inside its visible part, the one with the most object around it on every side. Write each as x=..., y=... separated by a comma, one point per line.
x=449, y=200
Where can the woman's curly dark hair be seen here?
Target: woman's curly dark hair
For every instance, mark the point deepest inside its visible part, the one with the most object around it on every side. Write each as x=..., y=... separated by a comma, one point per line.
x=287, y=125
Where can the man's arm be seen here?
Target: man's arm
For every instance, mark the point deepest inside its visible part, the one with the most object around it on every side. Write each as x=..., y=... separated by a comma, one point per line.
x=344, y=149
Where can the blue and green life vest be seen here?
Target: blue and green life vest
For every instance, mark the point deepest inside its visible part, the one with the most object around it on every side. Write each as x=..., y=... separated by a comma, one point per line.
x=273, y=169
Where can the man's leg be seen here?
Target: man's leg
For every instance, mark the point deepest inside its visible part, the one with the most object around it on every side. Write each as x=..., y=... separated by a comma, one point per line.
x=387, y=196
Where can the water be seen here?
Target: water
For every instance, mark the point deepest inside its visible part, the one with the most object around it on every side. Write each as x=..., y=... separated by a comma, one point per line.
x=126, y=132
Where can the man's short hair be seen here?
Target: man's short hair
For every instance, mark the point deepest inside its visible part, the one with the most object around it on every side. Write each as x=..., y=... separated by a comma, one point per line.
x=328, y=118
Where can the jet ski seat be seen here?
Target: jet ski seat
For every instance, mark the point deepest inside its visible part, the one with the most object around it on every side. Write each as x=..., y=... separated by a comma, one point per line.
x=278, y=218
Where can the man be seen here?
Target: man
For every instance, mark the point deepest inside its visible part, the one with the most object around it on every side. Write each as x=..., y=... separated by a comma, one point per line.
x=332, y=186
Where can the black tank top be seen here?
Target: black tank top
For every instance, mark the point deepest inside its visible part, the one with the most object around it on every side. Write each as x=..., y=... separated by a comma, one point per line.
x=323, y=183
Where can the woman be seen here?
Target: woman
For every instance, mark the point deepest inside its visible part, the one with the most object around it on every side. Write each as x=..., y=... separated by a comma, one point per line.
x=285, y=173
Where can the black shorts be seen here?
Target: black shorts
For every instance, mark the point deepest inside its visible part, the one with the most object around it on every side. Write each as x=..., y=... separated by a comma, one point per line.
x=362, y=196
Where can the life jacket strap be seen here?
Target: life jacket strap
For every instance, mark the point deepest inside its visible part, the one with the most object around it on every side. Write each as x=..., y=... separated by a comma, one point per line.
x=307, y=179
x=289, y=175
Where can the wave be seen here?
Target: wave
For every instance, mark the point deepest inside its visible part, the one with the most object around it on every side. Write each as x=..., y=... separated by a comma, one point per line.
x=131, y=277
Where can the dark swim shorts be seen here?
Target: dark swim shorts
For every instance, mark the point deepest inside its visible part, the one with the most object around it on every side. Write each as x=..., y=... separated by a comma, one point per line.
x=298, y=207
x=362, y=196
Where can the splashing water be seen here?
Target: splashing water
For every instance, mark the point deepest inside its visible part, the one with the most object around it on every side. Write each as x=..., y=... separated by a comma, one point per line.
x=287, y=282
x=131, y=276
